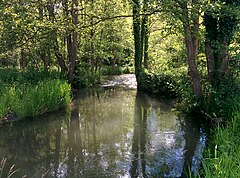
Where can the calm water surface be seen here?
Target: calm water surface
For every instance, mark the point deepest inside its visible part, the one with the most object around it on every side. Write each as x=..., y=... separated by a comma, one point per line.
x=106, y=133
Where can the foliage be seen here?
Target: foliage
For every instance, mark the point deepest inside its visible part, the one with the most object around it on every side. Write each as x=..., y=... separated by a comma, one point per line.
x=221, y=158
x=85, y=75
x=33, y=37
x=31, y=93
x=220, y=103
x=117, y=70
x=166, y=83
x=32, y=100
x=31, y=76
x=109, y=70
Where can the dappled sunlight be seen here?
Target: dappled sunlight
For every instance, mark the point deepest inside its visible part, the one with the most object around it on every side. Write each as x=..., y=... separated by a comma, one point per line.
x=125, y=81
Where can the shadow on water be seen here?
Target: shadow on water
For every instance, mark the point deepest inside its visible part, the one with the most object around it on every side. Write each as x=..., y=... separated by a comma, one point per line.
x=107, y=133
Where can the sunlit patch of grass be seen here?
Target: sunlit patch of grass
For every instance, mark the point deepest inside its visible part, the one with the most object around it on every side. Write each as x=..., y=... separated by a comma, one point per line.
x=32, y=100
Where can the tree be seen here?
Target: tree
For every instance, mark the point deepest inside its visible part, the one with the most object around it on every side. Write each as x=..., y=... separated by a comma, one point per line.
x=188, y=12
x=145, y=34
x=72, y=35
x=137, y=38
x=140, y=31
x=58, y=54
x=220, y=26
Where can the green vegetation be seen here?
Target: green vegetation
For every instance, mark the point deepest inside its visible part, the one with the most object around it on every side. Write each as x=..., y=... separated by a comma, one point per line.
x=29, y=93
x=221, y=158
x=169, y=83
x=10, y=172
x=184, y=49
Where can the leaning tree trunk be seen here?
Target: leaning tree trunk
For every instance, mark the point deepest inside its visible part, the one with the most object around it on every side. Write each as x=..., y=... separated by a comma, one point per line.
x=58, y=54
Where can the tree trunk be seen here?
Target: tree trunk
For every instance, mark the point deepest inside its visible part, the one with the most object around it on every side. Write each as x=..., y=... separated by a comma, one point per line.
x=192, y=63
x=144, y=35
x=23, y=63
x=211, y=30
x=137, y=38
x=44, y=59
x=146, y=58
x=191, y=41
x=72, y=40
x=219, y=31
x=59, y=56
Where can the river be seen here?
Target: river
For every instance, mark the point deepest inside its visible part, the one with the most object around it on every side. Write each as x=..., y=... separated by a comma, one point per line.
x=110, y=131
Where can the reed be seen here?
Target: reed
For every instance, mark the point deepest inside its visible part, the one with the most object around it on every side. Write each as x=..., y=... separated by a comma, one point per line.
x=222, y=158
x=4, y=172
x=32, y=100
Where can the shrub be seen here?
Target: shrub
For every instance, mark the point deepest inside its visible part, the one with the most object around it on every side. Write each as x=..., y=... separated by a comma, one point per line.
x=14, y=76
x=109, y=70
x=168, y=84
x=219, y=103
x=85, y=75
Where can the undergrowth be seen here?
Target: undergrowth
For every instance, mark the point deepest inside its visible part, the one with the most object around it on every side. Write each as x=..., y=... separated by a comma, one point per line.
x=164, y=83
x=28, y=94
x=222, y=156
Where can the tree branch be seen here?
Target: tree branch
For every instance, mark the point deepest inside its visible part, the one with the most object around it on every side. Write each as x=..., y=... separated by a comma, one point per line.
x=118, y=17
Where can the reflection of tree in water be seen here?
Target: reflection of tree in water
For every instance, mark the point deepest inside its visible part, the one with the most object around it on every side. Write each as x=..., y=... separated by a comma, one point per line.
x=101, y=138
x=162, y=146
x=95, y=131
x=139, y=139
x=31, y=145
x=195, y=143
x=150, y=152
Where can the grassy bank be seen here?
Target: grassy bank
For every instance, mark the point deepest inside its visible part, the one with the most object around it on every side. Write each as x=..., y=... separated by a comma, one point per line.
x=28, y=94
x=220, y=107
x=222, y=156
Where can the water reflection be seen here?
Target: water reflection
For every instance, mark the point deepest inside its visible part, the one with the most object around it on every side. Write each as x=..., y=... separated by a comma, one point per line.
x=107, y=133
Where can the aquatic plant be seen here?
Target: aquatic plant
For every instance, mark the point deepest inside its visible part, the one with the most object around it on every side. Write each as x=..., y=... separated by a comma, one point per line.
x=32, y=100
x=222, y=158
x=29, y=93
x=6, y=173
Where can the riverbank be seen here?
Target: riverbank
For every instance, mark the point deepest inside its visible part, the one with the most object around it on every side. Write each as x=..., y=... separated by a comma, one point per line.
x=222, y=156
x=31, y=93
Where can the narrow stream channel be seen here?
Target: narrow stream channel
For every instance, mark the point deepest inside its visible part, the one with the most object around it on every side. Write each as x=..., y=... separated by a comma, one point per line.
x=109, y=132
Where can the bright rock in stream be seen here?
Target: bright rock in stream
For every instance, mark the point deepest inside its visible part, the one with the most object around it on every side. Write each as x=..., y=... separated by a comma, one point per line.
x=108, y=133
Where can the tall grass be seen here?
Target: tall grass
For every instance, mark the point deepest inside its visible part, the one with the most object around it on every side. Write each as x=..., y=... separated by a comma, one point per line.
x=31, y=93
x=222, y=159
x=32, y=100
x=6, y=173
